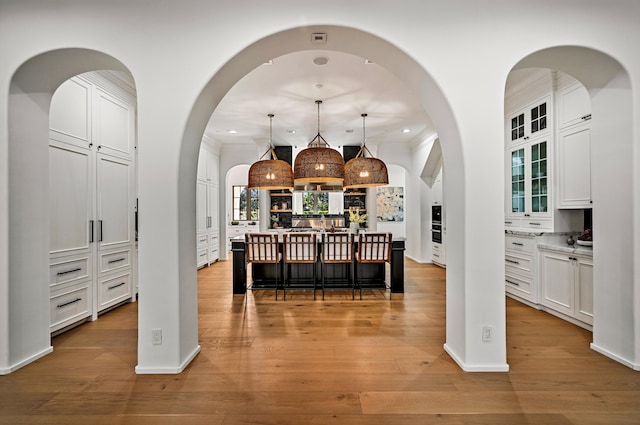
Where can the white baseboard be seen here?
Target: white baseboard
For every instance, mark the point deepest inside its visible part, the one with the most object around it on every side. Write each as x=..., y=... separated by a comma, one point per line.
x=630, y=364
x=468, y=368
x=24, y=362
x=168, y=370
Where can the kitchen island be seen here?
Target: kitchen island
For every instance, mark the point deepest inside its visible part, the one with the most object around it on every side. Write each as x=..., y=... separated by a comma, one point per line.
x=301, y=275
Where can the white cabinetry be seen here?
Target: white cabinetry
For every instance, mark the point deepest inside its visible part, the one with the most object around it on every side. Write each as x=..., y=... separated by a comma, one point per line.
x=574, y=147
x=574, y=105
x=207, y=204
x=91, y=200
x=520, y=267
x=574, y=167
x=566, y=282
x=528, y=166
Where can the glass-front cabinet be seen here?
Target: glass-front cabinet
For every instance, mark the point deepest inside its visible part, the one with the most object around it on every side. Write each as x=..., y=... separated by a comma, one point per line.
x=528, y=203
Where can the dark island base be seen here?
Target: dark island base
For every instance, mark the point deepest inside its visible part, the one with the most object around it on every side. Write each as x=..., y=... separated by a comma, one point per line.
x=300, y=276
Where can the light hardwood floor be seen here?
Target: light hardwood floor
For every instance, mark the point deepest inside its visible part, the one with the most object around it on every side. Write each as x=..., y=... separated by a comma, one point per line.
x=334, y=362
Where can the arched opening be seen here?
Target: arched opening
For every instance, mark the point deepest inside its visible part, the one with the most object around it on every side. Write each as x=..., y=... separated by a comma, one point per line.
x=27, y=303
x=608, y=84
x=361, y=44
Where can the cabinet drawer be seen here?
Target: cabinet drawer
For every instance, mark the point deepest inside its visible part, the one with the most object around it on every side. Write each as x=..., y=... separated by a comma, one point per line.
x=518, y=286
x=203, y=238
x=115, y=260
x=68, y=271
x=520, y=264
x=113, y=290
x=70, y=306
x=520, y=243
x=535, y=223
x=202, y=258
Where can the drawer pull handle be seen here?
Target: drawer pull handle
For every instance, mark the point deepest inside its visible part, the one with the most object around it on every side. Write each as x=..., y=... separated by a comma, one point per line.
x=117, y=260
x=508, y=222
x=535, y=224
x=517, y=243
x=68, y=303
x=436, y=255
x=511, y=261
x=513, y=283
x=586, y=117
x=69, y=271
x=116, y=286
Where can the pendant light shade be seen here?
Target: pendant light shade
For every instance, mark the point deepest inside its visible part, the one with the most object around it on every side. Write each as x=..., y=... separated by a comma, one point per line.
x=364, y=171
x=318, y=163
x=270, y=174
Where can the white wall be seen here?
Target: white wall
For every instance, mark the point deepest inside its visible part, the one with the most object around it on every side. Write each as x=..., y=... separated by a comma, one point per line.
x=182, y=82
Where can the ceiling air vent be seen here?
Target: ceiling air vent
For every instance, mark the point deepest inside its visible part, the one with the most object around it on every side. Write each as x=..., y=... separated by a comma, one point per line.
x=319, y=37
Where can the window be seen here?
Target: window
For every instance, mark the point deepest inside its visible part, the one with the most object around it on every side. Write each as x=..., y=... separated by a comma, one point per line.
x=245, y=203
x=315, y=203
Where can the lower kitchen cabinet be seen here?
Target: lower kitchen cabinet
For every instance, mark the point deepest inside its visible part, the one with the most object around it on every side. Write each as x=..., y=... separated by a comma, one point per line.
x=520, y=267
x=566, y=283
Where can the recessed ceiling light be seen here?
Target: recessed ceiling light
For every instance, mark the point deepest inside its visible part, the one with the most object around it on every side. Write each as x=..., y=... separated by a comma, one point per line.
x=367, y=62
x=406, y=130
x=291, y=131
x=232, y=132
x=320, y=60
x=349, y=130
x=269, y=62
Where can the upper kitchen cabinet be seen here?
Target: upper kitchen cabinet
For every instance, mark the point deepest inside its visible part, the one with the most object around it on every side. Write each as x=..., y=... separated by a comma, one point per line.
x=530, y=121
x=574, y=104
x=573, y=144
x=529, y=186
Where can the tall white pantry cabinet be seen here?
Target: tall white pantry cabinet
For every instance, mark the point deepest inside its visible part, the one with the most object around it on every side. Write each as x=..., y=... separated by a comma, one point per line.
x=92, y=199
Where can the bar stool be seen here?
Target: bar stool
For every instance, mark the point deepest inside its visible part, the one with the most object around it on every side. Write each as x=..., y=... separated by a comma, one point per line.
x=337, y=248
x=262, y=248
x=300, y=248
x=372, y=248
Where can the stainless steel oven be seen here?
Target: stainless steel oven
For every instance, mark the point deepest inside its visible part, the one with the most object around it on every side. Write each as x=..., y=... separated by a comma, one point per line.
x=436, y=214
x=436, y=223
x=436, y=233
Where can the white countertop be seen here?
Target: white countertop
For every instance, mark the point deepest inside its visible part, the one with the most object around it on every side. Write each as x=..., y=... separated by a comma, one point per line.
x=559, y=243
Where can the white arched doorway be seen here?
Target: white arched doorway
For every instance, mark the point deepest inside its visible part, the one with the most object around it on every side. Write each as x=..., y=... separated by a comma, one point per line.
x=616, y=319
x=26, y=331
x=459, y=321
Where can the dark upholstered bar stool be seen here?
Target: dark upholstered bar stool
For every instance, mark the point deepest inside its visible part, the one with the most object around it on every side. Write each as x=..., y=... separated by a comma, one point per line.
x=372, y=248
x=300, y=248
x=337, y=248
x=262, y=248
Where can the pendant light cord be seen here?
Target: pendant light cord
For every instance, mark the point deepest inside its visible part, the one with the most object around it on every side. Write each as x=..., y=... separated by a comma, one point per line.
x=270, y=147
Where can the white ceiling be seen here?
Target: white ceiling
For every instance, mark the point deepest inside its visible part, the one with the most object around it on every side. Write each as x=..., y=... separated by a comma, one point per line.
x=348, y=87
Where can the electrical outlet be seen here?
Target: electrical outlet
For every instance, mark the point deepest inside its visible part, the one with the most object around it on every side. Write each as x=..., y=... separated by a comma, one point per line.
x=487, y=333
x=156, y=336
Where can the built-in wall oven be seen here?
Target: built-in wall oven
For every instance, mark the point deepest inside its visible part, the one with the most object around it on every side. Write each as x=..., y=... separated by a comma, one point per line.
x=436, y=223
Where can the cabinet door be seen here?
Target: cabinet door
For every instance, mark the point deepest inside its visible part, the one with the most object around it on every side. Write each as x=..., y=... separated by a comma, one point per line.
x=114, y=201
x=517, y=166
x=529, y=122
x=574, y=105
x=114, y=131
x=212, y=207
x=70, y=198
x=574, y=167
x=69, y=117
x=557, y=282
x=584, y=291
x=201, y=207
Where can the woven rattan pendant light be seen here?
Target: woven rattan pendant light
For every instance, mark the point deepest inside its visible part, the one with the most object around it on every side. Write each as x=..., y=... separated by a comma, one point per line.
x=364, y=171
x=270, y=174
x=318, y=163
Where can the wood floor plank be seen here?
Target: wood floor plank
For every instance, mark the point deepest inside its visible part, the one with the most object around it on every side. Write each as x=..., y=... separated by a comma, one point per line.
x=338, y=361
